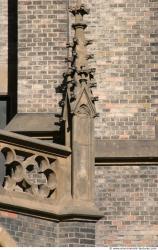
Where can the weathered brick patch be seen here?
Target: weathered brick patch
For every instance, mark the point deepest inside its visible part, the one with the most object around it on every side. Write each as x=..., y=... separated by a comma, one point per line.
x=8, y=214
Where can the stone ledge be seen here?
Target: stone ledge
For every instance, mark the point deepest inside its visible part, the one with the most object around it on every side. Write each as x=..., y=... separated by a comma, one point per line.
x=122, y=150
x=33, y=122
x=61, y=210
x=127, y=150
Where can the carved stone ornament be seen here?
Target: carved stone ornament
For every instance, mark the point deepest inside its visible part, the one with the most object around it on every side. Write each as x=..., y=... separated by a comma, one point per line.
x=22, y=169
x=37, y=178
x=84, y=110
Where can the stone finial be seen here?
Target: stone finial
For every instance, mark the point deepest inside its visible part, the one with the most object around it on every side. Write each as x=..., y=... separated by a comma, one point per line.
x=78, y=75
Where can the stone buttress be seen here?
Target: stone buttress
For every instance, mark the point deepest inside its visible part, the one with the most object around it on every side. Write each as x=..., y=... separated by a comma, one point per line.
x=79, y=108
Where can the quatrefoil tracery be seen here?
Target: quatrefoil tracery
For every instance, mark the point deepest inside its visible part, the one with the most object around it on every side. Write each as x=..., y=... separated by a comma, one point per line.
x=29, y=173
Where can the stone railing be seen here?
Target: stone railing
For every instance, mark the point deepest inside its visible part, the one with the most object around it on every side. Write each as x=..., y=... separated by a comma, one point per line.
x=33, y=174
x=29, y=172
x=36, y=178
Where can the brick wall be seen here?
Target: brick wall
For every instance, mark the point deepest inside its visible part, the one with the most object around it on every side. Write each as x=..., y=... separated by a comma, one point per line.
x=125, y=48
x=42, y=36
x=29, y=231
x=76, y=234
x=127, y=195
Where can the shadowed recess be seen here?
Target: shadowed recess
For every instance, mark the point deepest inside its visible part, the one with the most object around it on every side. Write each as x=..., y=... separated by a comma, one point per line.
x=12, y=58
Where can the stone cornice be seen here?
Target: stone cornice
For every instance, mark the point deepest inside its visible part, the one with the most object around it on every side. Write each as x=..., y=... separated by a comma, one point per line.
x=127, y=151
x=67, y=209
